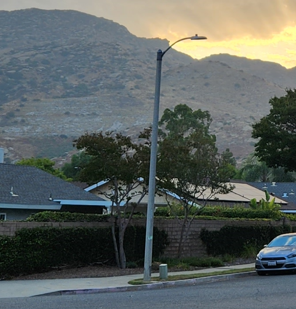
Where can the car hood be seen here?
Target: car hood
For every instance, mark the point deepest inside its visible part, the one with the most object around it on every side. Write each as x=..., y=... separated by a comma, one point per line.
x=277, y=251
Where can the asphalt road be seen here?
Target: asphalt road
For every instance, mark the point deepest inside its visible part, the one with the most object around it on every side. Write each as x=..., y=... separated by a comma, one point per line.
x=272, y=292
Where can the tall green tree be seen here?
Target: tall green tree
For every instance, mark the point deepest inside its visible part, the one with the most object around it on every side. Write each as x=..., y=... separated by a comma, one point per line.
x=183, y=120
x=125, y=165
x=189, y=164
x=230, y=161
x=44, y=164
x=276, y=133
x=73, y=169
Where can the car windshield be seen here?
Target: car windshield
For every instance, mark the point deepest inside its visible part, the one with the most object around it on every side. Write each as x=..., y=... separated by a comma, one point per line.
x=283, y=241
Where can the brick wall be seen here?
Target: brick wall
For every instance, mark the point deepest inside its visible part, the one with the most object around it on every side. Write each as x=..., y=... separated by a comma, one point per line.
x=192, y=245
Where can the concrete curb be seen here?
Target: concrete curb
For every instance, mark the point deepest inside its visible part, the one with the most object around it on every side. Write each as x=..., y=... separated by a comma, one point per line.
x=152, y=286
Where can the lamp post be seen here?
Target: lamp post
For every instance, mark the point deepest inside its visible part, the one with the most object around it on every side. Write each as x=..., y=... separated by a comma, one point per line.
x=153, y=158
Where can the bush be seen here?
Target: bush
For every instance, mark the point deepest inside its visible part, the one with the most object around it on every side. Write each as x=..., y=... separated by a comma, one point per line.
x=291, y=217
x=8, y=255
x=134, y=243
x=162, y=212
x=239, y=212
x=54, y=216
x=174, y=210
x=237, y=240
x=221, y=212
x=39, y=249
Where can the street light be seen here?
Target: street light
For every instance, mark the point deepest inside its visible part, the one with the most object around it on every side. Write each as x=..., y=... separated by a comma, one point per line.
x=153, y=158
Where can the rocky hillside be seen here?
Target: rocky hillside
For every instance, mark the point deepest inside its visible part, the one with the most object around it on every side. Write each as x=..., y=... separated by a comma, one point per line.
x=64, y=73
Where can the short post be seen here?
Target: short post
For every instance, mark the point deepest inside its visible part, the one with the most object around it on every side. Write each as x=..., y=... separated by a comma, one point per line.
x=163, y=271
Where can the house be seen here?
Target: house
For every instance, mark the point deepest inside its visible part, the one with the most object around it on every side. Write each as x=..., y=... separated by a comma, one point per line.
x=25, y=190
x=241, y=195
x=285, y=191
x=161, y=198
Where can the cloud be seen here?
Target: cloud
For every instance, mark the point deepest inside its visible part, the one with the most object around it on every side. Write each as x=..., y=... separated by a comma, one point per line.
x=235, y=26
x=220, y=20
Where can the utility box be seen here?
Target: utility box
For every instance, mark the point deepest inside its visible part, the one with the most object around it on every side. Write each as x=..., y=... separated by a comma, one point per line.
x=163, y=271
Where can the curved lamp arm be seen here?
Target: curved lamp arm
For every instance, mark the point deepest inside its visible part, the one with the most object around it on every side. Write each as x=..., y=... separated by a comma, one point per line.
x=195, y=37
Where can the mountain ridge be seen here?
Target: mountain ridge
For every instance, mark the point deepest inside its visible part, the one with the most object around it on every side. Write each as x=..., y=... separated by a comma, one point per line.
x=270, y=71
x=64, y=73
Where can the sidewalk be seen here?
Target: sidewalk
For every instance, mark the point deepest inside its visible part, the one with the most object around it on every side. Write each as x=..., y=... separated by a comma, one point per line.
x=28, y=288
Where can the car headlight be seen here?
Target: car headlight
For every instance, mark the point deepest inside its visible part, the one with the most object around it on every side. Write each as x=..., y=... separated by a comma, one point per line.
x=291, y=255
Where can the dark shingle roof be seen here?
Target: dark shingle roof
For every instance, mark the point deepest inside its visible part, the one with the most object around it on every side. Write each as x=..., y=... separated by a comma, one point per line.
x=283, y=190
x=29, y=185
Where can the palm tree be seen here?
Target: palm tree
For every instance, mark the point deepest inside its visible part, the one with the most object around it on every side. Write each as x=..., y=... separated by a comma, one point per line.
x=255, y=170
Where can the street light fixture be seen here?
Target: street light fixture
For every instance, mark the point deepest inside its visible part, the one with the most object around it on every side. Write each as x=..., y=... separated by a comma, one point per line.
x=153, y=158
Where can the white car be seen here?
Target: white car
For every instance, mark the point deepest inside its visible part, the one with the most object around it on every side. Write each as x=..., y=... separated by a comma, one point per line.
x=279, y=255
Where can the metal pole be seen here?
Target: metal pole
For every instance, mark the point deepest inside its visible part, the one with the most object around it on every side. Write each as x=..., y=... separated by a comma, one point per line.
x=152, y=174
x=153, y=159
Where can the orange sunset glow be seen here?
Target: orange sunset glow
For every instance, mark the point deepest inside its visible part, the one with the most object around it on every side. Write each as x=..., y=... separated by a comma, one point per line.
x=256, y=29
x=281, y=48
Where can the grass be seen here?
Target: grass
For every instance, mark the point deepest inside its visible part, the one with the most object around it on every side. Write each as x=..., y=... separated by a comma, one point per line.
x=186, y=263
x=191, y=276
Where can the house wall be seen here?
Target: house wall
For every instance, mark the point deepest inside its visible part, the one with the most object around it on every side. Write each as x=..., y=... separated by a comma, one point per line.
x=17, y=214
x=193, y=246
x=159, y=200
x=22, y=214
x=84, y=209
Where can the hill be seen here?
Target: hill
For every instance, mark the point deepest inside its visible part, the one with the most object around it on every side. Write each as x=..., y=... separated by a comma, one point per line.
x=64, y=73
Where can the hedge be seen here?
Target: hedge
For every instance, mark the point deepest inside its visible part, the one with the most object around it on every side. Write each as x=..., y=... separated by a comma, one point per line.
x=223, y=212
x=205, y=212
x=40, y=249
x=234, y=240
x=56, y=216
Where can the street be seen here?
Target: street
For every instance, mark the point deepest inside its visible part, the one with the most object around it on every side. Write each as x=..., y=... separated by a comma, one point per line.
x=270, y=292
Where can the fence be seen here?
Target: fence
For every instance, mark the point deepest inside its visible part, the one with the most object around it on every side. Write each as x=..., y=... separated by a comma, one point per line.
x=192, y=245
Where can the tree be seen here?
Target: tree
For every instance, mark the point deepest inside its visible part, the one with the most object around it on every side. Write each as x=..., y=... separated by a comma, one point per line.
x=183, y=120
x=44, y=164
x=78, y=161
x=189, y=163
x=229, y=159
x=254, y=170
x=125, y=165
x=277, y=133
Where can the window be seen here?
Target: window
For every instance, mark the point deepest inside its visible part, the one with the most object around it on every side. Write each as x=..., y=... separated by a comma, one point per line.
x=2, y=217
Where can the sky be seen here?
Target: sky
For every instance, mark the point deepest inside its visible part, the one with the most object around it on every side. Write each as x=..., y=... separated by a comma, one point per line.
x=256, y=29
